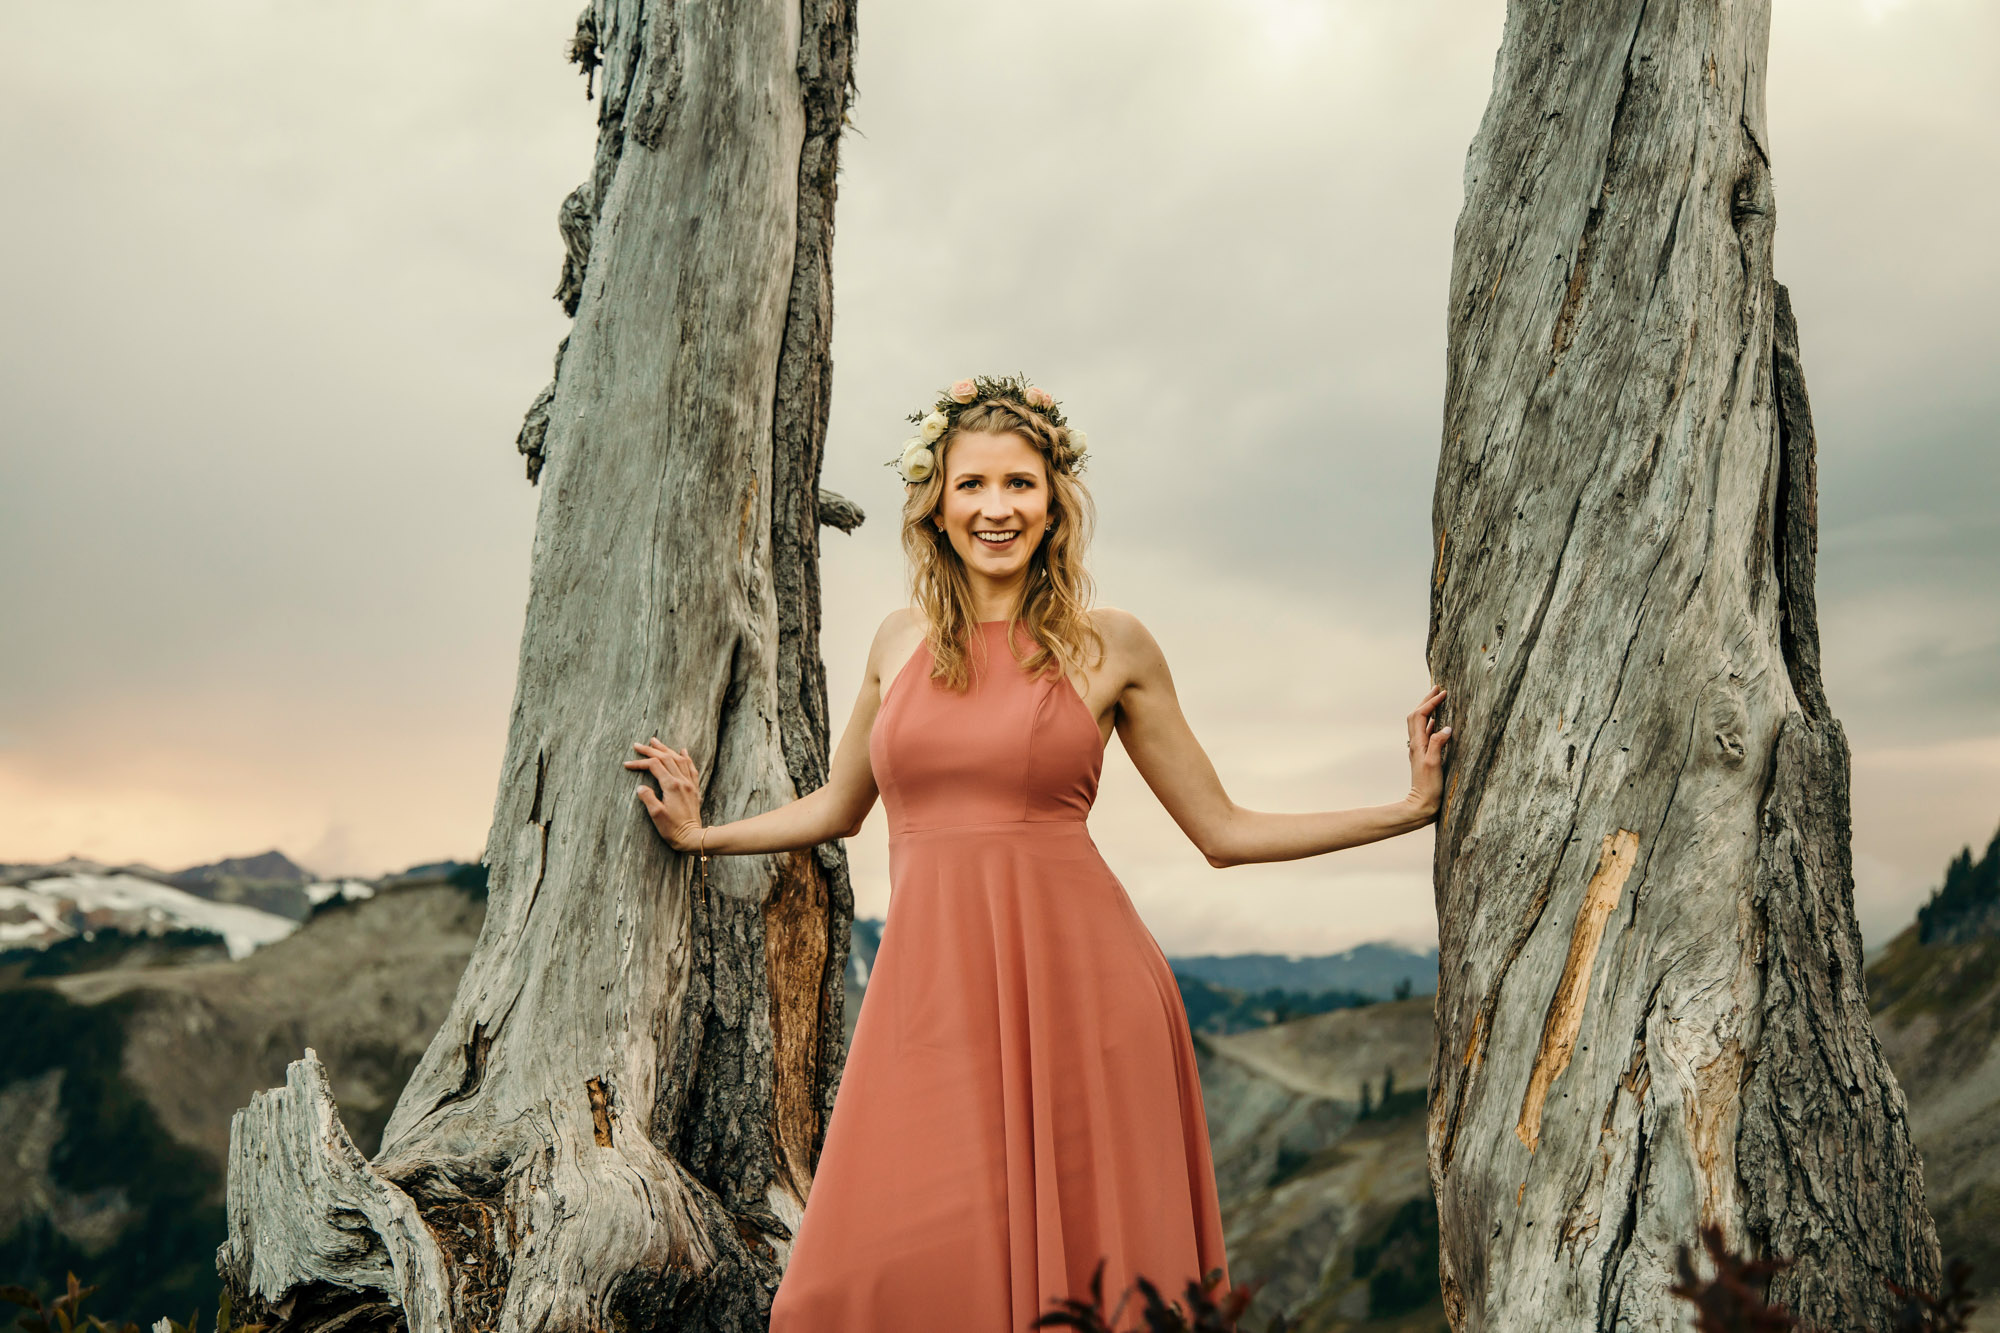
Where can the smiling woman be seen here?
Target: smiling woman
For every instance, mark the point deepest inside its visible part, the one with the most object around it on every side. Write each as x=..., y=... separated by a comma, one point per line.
x=1020, y=1101
x=1001, y=528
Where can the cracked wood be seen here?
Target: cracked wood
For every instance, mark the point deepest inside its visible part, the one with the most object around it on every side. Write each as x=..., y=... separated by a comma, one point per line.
x=617, y=1122
x=1614, y=863
x=1649, y=1009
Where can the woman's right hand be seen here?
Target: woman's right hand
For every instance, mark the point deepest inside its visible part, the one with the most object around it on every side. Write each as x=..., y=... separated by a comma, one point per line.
x=676, y=811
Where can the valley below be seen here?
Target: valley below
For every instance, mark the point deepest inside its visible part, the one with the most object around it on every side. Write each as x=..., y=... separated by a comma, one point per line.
x=132, y=1045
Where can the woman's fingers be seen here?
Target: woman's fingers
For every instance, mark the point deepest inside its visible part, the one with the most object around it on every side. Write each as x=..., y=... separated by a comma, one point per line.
x=678, y=777
x=676, y=806
x=1419, y=722
x=653, y=749
x=1423, y=719
x=669, y=778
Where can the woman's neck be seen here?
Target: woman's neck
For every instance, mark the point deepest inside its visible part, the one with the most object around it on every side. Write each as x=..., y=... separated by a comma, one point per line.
x=992, y=600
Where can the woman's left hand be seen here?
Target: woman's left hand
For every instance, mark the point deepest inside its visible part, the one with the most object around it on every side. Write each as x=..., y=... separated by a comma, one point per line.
x=676, y=811
x=1427, y=756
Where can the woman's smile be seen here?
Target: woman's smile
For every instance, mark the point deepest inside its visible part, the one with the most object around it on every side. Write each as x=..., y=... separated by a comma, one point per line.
x=994, y=511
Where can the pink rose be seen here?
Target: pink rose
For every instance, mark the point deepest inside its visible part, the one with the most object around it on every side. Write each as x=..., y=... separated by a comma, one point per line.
x=963, y=391
x=1040, y=397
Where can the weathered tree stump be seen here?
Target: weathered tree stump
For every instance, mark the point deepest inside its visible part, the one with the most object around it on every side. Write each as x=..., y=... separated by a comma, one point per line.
x=1651, y=1000
x=618, y=1122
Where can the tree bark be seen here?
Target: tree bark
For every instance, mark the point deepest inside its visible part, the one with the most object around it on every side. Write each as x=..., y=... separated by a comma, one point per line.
x=618, y=1122
x=1651, y=1010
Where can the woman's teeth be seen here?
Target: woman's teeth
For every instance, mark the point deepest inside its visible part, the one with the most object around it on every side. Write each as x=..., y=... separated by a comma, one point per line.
x=996, y=538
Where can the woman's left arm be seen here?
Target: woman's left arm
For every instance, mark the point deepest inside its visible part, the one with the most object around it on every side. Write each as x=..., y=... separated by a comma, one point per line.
x=1171, y=760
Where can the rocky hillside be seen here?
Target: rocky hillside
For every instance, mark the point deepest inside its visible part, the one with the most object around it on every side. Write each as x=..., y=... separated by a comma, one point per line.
x=118, y=1085
x=1317, y=1127
x=1935, y=993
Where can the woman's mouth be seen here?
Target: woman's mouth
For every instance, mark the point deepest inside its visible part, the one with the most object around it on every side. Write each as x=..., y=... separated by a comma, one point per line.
x=996, y=538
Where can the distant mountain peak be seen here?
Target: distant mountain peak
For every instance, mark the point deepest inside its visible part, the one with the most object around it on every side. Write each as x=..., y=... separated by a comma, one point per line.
x=1379, y=970
x=272, y=867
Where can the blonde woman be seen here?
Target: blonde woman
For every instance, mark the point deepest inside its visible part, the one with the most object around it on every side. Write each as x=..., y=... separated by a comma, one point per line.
x=1020, y=1101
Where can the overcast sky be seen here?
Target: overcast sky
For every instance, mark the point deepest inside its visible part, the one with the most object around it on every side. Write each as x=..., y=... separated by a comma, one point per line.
x=276, y=293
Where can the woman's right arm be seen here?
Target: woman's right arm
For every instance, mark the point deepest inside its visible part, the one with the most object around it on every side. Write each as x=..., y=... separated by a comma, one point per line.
x=835, y=810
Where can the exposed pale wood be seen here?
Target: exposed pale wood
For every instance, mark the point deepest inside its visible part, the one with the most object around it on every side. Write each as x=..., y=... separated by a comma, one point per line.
x=1565, y=1017
x=1622, y=612
x=617, y=1123
x=306, y=1211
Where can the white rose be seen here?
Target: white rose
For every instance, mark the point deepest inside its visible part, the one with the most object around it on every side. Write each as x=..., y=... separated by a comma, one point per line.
x=917, y=461
x=1078, y=441
x=934, y=425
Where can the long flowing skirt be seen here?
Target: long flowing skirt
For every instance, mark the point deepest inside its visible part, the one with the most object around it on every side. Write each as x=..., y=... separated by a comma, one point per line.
x=1020, y=1101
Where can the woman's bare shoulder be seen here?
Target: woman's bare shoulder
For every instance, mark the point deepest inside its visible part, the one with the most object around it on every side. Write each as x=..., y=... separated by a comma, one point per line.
x=1127, y=641
x=902, y=620
x=895, y=639
x=1119, y=626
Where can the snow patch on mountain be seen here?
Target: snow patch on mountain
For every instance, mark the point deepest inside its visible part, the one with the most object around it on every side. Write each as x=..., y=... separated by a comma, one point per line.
x=40, y=912
x=347, y=890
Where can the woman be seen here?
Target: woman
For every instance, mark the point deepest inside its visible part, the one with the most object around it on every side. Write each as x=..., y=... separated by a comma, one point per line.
x=1020, y=1099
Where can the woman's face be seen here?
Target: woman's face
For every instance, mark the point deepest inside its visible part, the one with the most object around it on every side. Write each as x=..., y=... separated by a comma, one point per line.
x=996, y=503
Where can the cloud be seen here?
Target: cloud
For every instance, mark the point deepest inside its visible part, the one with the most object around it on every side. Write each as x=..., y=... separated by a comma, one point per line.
x=268, y=539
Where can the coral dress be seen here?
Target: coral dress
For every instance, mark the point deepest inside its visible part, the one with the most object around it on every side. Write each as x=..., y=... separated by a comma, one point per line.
x=1020, y=1099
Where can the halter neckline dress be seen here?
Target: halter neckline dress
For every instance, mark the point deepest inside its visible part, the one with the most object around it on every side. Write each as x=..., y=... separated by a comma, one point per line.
x=1020, y=1098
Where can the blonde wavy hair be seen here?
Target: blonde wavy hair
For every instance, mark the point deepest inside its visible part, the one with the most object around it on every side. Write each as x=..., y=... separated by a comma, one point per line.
x=1055, y=604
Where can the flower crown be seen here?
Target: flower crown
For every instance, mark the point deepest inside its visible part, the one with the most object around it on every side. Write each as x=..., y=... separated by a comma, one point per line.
x=918, y=459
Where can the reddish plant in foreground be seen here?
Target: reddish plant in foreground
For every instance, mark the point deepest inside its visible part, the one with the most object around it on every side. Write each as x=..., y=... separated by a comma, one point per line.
x=1204, y=1313
x=1735, y=1299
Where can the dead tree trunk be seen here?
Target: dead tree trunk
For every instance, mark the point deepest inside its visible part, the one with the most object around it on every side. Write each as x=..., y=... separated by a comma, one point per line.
x=1651, y=1010
x=617, y=1124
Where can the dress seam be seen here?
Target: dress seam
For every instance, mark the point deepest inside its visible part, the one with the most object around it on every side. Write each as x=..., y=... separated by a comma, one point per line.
x=985, y=823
